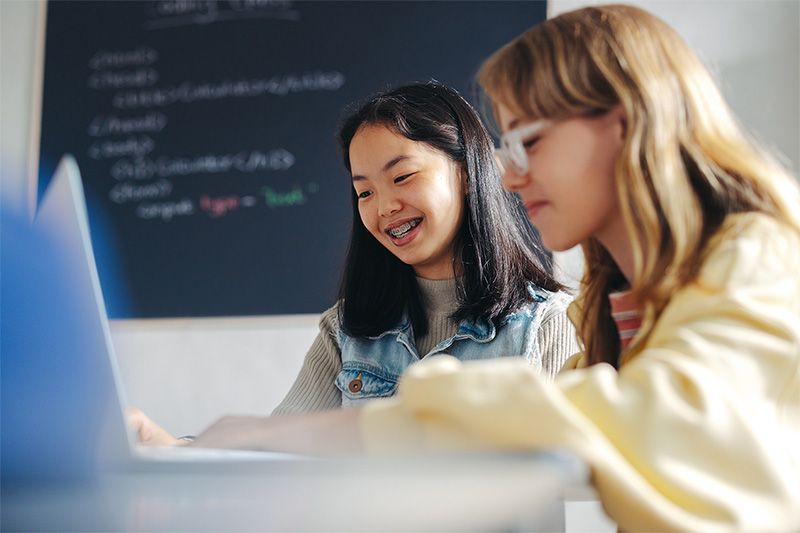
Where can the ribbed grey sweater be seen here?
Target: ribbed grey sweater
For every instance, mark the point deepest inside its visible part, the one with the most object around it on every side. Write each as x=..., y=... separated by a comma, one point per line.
x=315, y=388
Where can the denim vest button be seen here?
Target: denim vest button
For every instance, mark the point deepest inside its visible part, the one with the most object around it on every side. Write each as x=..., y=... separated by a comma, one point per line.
x=355, y=385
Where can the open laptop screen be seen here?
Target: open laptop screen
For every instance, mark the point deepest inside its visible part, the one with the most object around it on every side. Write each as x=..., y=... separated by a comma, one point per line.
x=61, y=410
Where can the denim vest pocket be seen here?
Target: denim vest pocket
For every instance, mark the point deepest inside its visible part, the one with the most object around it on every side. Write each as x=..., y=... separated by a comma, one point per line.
x=359, y=385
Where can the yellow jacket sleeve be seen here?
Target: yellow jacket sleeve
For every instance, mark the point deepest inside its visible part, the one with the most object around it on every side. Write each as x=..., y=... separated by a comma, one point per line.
x=699, y=431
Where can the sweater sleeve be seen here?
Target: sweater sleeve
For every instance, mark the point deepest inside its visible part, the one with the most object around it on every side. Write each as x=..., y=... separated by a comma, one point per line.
x=315, y=387
x=699, y=431
x=556, y=337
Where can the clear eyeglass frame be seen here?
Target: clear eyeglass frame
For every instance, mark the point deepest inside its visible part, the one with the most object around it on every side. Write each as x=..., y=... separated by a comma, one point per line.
x=511, y=153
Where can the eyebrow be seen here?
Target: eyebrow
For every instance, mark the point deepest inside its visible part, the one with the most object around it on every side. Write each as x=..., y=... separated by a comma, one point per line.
x=389, y=164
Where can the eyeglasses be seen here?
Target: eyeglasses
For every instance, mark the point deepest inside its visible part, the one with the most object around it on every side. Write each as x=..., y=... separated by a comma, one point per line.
x=511, y=153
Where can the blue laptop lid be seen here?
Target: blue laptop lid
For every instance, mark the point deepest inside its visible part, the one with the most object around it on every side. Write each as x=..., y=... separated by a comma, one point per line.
x=61, y=409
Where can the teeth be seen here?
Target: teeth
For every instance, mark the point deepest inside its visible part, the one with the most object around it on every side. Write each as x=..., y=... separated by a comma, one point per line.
x=401, y=231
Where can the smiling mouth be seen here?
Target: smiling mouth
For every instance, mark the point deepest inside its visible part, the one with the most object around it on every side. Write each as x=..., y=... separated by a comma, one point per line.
x=534, y=207
x=401, y=231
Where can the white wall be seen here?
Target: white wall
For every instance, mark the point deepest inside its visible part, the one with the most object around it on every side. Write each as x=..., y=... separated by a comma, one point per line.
x=186, y=373
x=18, y=39
x=752, y=47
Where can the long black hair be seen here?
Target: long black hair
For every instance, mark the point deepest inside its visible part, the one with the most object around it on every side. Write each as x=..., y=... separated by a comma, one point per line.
x=497, y=247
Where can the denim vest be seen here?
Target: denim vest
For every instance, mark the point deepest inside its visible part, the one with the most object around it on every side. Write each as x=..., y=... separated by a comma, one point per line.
x=371, y=366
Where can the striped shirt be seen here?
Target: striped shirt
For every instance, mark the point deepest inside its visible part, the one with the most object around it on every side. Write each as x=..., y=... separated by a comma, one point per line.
x=626, y=314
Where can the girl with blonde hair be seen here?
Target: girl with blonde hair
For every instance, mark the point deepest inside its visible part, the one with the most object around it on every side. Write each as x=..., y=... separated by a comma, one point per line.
x=685, y=402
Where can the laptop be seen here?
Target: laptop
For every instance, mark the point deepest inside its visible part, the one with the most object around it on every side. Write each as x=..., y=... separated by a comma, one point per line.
x=63, y=399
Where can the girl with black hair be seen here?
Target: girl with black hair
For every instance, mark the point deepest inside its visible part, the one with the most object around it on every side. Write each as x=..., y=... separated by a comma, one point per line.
x=441, y=258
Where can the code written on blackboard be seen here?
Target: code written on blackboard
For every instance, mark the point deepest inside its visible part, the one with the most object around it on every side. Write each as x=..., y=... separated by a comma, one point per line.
x=204, y=131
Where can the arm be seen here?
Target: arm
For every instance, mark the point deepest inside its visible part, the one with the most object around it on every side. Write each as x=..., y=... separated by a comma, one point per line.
x=698, y=432
x=325, y=433
x=315, y=389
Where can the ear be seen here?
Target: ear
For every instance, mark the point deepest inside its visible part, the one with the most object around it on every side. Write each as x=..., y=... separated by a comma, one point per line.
x=618, y=114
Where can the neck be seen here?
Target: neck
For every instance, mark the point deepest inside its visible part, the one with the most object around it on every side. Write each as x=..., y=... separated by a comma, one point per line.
x=437, y=272
x=624, y=261
x=620, y=248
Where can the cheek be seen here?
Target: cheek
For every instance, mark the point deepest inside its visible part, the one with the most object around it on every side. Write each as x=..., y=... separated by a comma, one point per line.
x=586, y=164
x=364, y=215
x=368, y=218
x=605, y=172
x=576, y=163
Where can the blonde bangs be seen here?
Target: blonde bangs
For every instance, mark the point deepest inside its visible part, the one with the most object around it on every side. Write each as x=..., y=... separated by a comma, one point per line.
x=541, y=74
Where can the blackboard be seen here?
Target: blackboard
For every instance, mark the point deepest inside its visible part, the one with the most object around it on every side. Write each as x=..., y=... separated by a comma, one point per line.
x=204, y=133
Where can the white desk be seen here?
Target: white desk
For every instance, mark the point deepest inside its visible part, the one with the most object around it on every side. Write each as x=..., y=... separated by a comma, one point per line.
x=509, y=492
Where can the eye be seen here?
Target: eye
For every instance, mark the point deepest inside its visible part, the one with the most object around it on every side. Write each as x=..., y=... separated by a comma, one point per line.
x=363, y=194
x=528, y=143
x=403, y=177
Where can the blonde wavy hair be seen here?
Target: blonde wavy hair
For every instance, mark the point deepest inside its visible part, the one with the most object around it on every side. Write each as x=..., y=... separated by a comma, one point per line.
x=685, y=165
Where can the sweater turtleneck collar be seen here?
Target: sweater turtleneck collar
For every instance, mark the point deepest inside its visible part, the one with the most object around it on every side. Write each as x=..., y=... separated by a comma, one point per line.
x=439, y=295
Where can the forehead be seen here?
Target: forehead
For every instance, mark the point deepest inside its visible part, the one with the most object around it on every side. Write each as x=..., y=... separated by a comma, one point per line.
x=509, y=117
x=376, y=135
x=373, y=146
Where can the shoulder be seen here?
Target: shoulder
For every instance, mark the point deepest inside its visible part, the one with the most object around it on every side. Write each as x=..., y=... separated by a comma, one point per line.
x=329, y=320
x=750, y=247
x=545, y=308
x=558, y=303
x=746, y=294
x=552, y=304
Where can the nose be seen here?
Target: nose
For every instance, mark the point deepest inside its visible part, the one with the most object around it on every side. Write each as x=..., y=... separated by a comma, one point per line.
x=513, y=181
x=388, y=204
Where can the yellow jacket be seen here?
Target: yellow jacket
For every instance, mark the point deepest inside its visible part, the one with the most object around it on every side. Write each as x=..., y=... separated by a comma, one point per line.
x=700, y=431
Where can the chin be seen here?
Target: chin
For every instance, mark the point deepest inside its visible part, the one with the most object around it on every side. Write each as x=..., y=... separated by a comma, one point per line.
x=555, y=245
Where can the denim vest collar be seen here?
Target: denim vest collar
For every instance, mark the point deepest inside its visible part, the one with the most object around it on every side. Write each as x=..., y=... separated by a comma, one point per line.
x=481, y=330
x=371, y=366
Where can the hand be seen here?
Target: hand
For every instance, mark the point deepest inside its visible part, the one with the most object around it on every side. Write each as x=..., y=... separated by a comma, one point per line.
x=325, y=433
x=150, y=433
